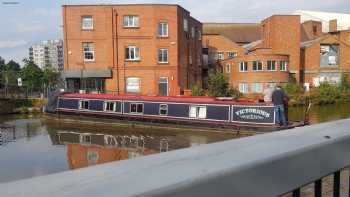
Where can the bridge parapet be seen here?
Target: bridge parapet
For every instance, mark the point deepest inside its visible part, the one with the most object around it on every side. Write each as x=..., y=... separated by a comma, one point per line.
x=264, y=165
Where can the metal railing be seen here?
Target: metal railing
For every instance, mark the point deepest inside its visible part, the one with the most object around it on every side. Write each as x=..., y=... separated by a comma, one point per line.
x=263, y=165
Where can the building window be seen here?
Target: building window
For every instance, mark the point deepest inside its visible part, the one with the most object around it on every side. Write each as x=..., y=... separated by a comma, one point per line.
x=257, y=87
x=257, y=66
x=329, y=55
x=193, y=32
x=283, y=65
x=243, y=88
x=199, y=35
x=110, y=106
x=271, y=65
x=87, y=23
x=185, y=25
x=131, y=21
x=132, y=53
x=221, y=56
x=163, y=56
x=163, y=29
x=163, y=109
x=163, y=86
x=228, y=68
x=231, y=54
x=136, y=108
x=84, y=105
x=133, y=85
x=243, y=66
x=89, y=51
x=199, y=112
x=190, y=55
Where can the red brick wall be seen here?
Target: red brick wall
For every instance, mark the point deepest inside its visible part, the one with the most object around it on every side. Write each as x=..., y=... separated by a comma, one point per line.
x=310, y=26
x=109, y=31
x=281, y=33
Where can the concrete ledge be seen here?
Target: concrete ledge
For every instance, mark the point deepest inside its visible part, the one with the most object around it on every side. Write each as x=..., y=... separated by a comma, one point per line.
x=264, y=165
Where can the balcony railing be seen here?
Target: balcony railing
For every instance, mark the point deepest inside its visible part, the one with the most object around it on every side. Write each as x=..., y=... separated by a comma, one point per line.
x=268, y=165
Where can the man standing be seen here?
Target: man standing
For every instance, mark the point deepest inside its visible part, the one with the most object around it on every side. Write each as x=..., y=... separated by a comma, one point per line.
x=278, y=99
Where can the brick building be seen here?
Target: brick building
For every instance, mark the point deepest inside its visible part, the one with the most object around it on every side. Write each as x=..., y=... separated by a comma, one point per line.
x=264, y=58
x=326, y=57
x=147, y=49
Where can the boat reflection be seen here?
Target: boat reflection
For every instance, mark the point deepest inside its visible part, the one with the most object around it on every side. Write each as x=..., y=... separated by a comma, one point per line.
x=86, y=149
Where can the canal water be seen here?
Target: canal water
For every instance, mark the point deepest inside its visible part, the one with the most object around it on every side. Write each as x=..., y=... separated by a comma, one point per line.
x=43, y=145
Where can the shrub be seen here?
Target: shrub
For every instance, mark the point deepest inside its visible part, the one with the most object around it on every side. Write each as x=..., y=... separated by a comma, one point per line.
x=197, y=91
x=326, y=94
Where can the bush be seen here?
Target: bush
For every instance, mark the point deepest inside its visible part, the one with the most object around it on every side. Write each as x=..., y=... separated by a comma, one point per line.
x=295, y=92
x=326, y=94
x=197, y=91
x=218, y=86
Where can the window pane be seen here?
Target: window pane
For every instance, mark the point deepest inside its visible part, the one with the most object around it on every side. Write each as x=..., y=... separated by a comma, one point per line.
x=133, y=108
x=133, y=85
x=202, y=112
x=139, y=108
x=193, y=112
x=87, y=22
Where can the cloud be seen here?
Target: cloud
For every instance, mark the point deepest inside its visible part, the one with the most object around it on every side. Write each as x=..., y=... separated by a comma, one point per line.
x=12, y=44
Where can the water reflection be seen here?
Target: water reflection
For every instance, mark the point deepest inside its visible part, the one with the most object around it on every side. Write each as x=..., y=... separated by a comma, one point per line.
x=42, y=146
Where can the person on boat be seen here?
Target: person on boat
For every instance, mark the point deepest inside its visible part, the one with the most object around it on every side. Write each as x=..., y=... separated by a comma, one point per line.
x=278, y=99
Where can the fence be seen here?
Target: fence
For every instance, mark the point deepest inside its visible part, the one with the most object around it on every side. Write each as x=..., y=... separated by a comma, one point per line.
x=268, y=165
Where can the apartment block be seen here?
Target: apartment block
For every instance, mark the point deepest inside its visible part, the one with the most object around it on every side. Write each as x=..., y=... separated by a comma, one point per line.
x=47, y=53
x=143, y=49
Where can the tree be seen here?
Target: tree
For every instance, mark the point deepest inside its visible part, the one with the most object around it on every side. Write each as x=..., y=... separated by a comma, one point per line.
x=218, y=86
x=32, y=76
x=12, y=65
x=50, y=78
x=197, y=91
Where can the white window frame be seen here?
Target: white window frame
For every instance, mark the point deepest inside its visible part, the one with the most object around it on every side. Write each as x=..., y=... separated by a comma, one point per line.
x=262, y=66
x=231, y=54
x=197, y=109
x=160, y=109
x=161, y=56
x=273, y=63
x=199, y=35
x=167, y=82
x=220, y=55
x=228, y=68
x=243, y=65
x=243, y=88
x=163, y=29
x=137, y=104
x=185, y=21
x=131, y=21
x=106, y=103
x=136, y=53
x=283, y=65
x=83, y=27
x=81, y=104
x=127, y=87
x=91, y=51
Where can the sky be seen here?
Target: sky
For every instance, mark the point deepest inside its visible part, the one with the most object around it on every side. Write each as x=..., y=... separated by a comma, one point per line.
x=32, y=21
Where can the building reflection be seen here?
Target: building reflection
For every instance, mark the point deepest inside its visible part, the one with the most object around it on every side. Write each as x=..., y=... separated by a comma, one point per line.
x=86, y=149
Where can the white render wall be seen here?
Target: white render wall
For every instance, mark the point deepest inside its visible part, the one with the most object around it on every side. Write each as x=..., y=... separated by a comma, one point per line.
x=324, y=17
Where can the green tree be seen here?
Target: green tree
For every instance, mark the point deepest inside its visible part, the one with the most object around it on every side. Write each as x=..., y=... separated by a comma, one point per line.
x=50, y=78
x=12, y=65
x=218, y=86
x=32, y=76
x=197, y=91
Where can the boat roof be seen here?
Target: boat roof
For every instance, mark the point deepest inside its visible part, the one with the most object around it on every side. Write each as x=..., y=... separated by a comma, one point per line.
x=174, y=99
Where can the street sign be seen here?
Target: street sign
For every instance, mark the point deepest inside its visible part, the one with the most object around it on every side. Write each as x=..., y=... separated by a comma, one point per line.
x=19, y=82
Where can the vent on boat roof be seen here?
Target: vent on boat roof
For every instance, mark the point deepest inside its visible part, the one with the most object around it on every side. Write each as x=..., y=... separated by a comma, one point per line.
x=224, y=98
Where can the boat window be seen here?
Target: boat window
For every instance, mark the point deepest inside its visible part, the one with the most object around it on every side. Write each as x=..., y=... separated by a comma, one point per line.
x=198, y=112
x=136, y=108
x=84, y=104
x=163, y=109
x=110, y=106
x=86, y=139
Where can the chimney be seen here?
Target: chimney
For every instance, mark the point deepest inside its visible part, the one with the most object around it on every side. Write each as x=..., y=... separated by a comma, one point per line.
x=333, y=27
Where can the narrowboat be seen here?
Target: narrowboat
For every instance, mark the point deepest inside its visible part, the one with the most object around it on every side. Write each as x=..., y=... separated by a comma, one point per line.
x=196, y=111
